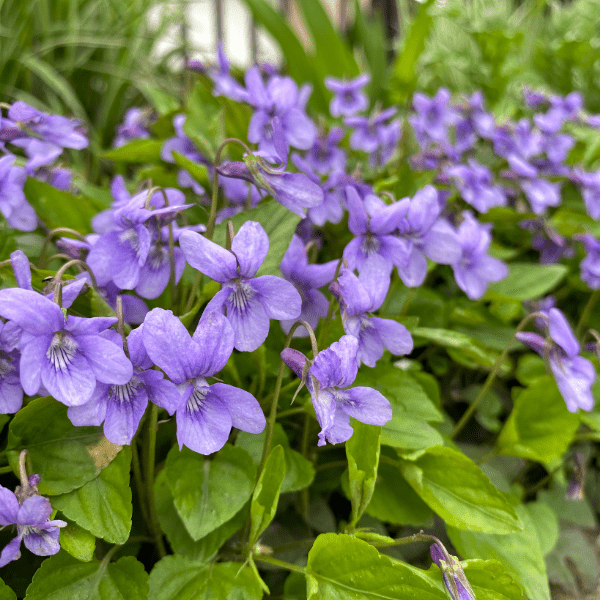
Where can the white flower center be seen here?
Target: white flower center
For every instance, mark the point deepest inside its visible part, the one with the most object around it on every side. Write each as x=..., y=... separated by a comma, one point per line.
x=62, y=350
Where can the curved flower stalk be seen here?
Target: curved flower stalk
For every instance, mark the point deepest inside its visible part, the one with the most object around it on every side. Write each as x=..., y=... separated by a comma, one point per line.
x=327, y=379
x=205, y=413
x=250, y=302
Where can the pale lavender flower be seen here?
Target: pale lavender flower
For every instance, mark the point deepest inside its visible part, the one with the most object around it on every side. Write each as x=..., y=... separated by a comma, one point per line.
x=333, y=370
x=134, y=127
x=373, y=333
x=370, y=133
x=250, y=302
x=224, y=83
x=349, y=97
x=432, y=118
x=476, y=186
x=205, y=413
x=11, y=392
x=590, y=265
x=326, y=155
x=30, y=515
x=590, y=190
x=13, y=205
x=475, y=269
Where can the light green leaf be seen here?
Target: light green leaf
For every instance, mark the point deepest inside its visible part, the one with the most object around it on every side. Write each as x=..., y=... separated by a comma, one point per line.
x=178, y=578
x=57, y=208
x=62, y=577
x=299, y=471
x=519, y=552
x=137, y=151
x=490, y=580
x=65, y=456
x=459, y=492
x=539, y=427
x=204, y=124
x=197, y=170
x=342, y=567
x=279, y=224
x=103, y=505
x=208, y=493
x=179, y=539
x=362, y=450
x=6, y=593
x=545, y=521
x=527, y=281
x=266, y=493
x=77, y=542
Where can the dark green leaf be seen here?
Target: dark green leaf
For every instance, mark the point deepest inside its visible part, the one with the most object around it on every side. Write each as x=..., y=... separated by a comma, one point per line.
x=458, y=490
x=341, y=567
x=62, y=577
x=178, y=578
x=103, y=505
x=539, y=427
x=208, y=493
x=545, y=521
x=266, y=493
x=137, y=151
x=362, y=450
x=519, y=552
x=6, y=593
x=204, y=124
x=197, y=170
x=527, y=281
x=65, y=456
x=279, y=224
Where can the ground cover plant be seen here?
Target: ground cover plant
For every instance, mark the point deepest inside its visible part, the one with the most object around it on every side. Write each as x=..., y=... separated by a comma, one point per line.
x=301, y=343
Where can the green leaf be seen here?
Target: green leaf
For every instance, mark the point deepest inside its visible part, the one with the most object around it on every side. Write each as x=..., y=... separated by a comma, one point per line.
x=362, y=450
x=62, y=577
x=204, y=124
x=197, y=170
x=519, y=552
x=459, y=492
x=527, y=281
x=539, y=427
x=575, y=512
x=78, y=542
x=490, y=580
x=57, y=208
x=65, y=456
x=103, y=505
x=179, y=539
x=299, y=471
x=266, y=493
x=6, y=593
x=405, y=75
x=208, y=493
x=341, y=567
x=137, y=151
x=279, y=224
x=178, y=578
x=545, y=521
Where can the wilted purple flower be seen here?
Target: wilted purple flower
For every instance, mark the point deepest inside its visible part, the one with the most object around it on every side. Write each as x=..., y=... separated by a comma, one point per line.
x=325, y=155
x=373, y=333
x=375, y=250
x=349, y=97
x=332, y=370
x=224, y=83
x=43, y=137
x=426, y=234
x=280, y=98
x=590, y=265
x=250, y=302
x=475, y=268
x=13, y=205
x=39, y=535
x=574, y=374
x=476, y=187
x=67, y=355
x=205, y=413
x=121, y=406
x=307, y=279
x=134, y=127
x=454, y=577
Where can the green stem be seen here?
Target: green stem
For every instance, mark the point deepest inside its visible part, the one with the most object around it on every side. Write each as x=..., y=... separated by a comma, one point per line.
x=291, y=411
x=150, y=462
x=7, y=469
x=269, y=560
x=304, y=494
x=490, y=378
x=331, y=465
x=139, y=482
x=587, y=311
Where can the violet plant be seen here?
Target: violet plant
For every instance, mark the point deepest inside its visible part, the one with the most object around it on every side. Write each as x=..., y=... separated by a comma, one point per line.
x=187, y=444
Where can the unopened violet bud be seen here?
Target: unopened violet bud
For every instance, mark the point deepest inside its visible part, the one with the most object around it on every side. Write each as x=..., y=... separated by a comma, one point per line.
x=575, y=489
x=454, y=577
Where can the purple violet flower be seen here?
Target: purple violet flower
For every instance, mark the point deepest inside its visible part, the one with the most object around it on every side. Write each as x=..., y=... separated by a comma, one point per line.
x=574, y=374
x=475, y=268
x=333, y=370
x=458, y=587
x=250, y=302
x=475, y=185
x=224, y=83
x=325, y=155
x=122, y=406
x=349, y=97
x=590, y=265
x=307, y=279
x=205, y=412
x=67, y=355
x=369, y=132
x=134, y=127
x=373, y=333
x=432, y=118
x=590, y=190
x=13, y=205
x=30, y=515
x=11, y=392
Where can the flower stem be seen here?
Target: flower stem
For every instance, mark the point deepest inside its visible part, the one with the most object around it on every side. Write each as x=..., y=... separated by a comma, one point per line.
x=139, y=482
x=150, y=462
x=280, y=563
x=587, y=311
x=490, y=378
